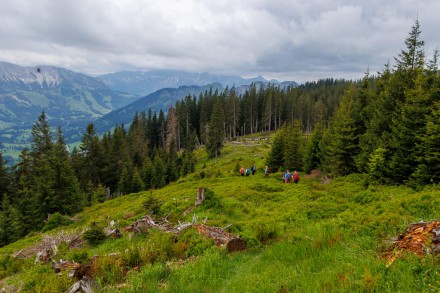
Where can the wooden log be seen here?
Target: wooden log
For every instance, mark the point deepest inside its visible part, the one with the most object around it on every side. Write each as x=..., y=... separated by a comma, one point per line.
x=222, y=238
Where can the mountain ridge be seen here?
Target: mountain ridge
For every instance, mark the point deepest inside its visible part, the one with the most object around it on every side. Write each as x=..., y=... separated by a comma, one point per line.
x=146, y=82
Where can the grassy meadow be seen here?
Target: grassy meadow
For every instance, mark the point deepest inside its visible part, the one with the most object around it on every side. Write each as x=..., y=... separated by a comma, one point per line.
x=315, y=236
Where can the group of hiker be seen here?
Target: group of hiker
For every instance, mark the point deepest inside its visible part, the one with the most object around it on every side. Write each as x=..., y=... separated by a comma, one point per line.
x=287, y=176
x=247, y=171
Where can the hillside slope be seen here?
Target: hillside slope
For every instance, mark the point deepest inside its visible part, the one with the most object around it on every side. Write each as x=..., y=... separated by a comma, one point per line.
x=317, y=235
x=70, y=100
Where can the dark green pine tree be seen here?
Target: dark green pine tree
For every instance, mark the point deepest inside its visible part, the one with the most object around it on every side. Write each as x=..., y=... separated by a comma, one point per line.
x=312, y=151
x=91, y=158
x=5, y=180
x=136, y=183
x=293, y=146
x=216, y=131
x=275, y=159
x=408, y=120
x=25, y=198
x=188, y=162
x=43, y=173
x=160, y=171
x=148, y=173
x=126, y=179
x=414, y=56
x=11, y=226
x=408, y=127
x=428, y=169
x=41, y=138
x=380, y=107
x=118, y=157
x=65, y=183
x=171, y=161
x=340, y=141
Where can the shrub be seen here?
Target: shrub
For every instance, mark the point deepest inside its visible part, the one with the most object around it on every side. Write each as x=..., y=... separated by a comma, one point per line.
x=56, y=220
x=94, y=235
x=212, y=201
x=266, y=231
x=132, y=258
x=9, y=266
x=152, y=205
x=194, y=243
x=80, y=256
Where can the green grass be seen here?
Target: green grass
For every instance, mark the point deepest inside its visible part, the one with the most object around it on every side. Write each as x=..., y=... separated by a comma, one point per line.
x=306, y=237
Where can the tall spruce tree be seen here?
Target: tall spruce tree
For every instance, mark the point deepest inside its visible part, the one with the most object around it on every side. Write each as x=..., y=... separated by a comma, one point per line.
x=428, y=169
x=312, y=151
x=340, y=140
x=293, y=146
x=65, y=184
x=216, y=131
x=276, y=156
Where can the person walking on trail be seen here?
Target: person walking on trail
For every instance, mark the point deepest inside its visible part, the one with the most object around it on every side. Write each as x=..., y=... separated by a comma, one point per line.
x=266, y=171
x=253, y=169
x=242, y=171
x=248, y=172
x=295, y=177
x=287, y=176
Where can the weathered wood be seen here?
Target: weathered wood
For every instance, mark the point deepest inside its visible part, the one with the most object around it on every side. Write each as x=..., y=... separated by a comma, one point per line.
x=113, y=233
x=86, y=285
x=222, y=238
x=200, y=196
x=219, y=235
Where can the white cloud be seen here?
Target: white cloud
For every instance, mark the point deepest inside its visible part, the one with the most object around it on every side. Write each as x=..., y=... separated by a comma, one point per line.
x=299, y=40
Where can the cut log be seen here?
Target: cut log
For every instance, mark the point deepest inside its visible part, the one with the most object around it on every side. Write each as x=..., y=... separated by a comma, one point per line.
x=222, y=238
x=219, y=235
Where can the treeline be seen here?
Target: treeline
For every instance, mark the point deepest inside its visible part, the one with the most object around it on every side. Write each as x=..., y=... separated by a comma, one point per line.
x=386, y=126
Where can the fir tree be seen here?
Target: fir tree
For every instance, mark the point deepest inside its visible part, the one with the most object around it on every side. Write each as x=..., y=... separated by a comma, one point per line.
x=340, y=140
x=312, y=151
x=216, y=131
x=276, y=156
x=293, y=147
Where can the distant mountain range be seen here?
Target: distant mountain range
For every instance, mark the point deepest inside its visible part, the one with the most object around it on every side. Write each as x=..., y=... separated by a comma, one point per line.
x=73, y=100
x=145, y=82
x=161, y=99
x=68, y=98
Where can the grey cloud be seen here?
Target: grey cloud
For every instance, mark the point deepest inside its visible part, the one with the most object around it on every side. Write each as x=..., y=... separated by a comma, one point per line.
x=297, y=40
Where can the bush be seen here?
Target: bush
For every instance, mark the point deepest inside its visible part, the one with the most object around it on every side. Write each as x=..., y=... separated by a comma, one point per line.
x=94, y=235
x=212, y=201
x=194, y=243
x=266, y=231
x=80, y=256
x=132, y=257
x=152, y=205
x=56, y=220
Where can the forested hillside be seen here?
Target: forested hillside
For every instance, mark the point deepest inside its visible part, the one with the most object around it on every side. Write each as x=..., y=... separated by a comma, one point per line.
x=384, y=126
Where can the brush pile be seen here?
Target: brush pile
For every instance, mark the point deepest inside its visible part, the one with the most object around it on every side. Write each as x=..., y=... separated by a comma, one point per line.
x=419, y=238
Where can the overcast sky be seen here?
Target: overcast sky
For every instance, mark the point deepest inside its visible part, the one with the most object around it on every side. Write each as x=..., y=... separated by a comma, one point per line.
x=283, y=39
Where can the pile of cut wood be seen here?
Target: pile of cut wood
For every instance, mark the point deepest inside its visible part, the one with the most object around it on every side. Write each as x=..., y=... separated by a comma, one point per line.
x=419, y=238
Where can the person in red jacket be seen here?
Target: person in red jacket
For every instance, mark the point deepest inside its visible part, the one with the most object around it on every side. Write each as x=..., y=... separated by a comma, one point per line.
x=295, y=177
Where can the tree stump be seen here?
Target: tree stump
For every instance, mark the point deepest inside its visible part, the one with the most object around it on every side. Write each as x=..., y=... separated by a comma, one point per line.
x=200, y=196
